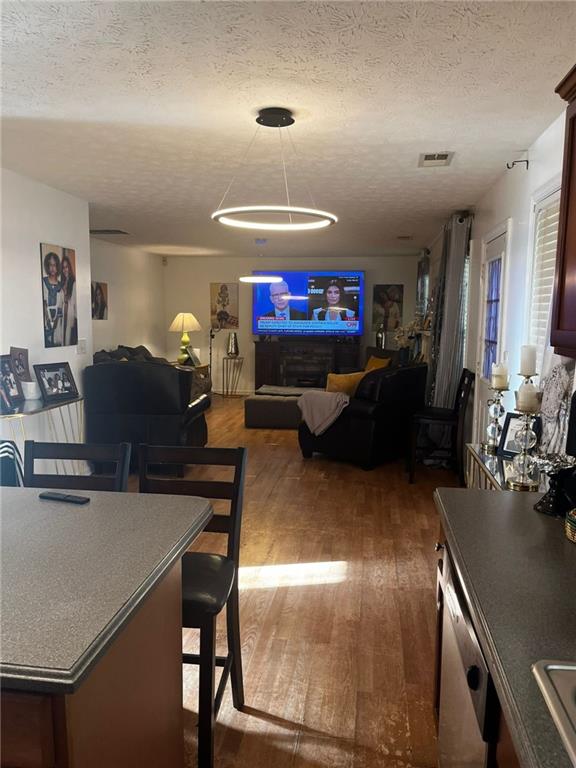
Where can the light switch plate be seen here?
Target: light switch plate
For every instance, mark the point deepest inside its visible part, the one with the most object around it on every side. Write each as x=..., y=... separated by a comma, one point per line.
x=81, y=347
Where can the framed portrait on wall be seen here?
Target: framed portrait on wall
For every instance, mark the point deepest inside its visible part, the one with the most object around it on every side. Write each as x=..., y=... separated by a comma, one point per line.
x=99, y=294
x=387, y=306
x=60, y=312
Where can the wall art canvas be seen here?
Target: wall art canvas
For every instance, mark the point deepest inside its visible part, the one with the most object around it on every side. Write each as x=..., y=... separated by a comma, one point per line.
x=99, y=293
x=223, y=305
x=59, y=295
x=387, y=304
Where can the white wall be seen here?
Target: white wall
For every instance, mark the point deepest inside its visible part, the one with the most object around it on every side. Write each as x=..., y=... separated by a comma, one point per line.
x=187, y=289
x=33, y=213
x=135, y=297
x=512, y=197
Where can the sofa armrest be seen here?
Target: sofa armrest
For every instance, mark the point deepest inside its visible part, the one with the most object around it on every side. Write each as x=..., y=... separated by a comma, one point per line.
x=195, y=409
x=362, y=409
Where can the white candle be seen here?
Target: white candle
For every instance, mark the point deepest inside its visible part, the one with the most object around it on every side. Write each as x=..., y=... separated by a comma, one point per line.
x=527, y=360
x=528, y=398
x=499, y=378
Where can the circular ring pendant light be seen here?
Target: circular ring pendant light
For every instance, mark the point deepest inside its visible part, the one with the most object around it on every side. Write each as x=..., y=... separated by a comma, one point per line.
x=298, y=218
x=320, y=219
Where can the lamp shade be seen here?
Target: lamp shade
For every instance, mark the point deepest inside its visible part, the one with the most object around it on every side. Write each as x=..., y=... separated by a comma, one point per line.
x=185, y=322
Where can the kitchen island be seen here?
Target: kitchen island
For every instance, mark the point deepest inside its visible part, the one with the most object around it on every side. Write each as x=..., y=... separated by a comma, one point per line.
x=517, y=572
x=91, y=633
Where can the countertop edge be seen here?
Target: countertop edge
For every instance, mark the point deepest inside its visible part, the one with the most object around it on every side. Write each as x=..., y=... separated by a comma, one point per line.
x=518, y=730
x=66, y=681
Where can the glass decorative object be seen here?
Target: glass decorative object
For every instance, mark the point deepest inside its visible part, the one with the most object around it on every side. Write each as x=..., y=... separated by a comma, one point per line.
x=381, y=336
x=233, y=349
x=494, y=428
x=525, y=472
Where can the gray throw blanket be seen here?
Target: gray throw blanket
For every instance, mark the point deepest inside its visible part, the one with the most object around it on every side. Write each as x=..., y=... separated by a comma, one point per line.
x=321, y=409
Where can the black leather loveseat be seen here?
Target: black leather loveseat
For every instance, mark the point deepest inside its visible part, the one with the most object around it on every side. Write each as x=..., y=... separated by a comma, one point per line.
x=375, y=426
x=143, y=402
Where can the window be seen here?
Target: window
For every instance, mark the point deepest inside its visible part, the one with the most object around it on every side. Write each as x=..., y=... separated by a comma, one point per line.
x=494, y=268
x=544, y=264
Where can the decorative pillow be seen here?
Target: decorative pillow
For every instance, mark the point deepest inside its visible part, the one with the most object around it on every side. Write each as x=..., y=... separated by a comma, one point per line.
x=377, y=362
x=344, y=382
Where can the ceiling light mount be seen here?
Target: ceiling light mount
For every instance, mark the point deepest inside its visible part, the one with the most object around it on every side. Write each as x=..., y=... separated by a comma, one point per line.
x=275, y=117
x=274, y=218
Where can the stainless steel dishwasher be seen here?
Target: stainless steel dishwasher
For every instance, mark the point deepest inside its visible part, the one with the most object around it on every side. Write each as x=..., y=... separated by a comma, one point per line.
x=468, y=706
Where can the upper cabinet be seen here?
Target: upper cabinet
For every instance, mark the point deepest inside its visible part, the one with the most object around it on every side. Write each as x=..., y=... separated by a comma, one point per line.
x=563, y=336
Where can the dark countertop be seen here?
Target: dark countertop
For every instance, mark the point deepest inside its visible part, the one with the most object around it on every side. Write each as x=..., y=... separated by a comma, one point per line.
x=73, y=576
x=518, y=572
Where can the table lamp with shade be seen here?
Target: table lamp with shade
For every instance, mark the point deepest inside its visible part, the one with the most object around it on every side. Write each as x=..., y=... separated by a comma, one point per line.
x=183, y=323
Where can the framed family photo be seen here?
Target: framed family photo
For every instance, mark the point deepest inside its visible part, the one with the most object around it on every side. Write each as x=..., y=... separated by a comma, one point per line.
x=509, y=445
x=11, y=387
x=20, y=365
x=56, y=381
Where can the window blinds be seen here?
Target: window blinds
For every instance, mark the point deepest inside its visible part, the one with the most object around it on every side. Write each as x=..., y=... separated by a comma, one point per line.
x=545, y=239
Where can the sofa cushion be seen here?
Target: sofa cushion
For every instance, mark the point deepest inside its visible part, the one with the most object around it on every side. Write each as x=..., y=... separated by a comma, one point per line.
x=344, y=382
x=377, y=362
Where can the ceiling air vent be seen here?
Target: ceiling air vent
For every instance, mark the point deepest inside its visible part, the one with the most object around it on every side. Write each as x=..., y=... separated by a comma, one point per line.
x=108, y=232
x=435, y=159
x=405, y=237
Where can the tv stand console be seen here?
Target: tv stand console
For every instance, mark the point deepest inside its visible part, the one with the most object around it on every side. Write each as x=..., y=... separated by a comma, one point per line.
x=304, y=361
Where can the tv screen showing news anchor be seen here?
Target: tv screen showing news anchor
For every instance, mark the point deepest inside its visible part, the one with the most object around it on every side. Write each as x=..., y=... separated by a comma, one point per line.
x=317, y=303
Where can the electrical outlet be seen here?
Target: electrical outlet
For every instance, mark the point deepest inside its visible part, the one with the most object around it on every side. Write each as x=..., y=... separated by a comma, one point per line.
x=81, y=347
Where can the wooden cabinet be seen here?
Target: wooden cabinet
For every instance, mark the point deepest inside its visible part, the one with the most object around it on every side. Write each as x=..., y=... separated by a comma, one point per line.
x=563, y=336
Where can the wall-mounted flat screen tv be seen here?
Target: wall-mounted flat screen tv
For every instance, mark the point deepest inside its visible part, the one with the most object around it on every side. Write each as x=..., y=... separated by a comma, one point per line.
x=314, y=303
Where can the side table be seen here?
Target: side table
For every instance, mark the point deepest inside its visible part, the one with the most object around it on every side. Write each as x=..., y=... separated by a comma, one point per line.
x=231, y=370
x=488, y=472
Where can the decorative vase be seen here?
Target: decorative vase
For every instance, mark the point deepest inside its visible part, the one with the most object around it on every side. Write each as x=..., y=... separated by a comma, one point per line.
x=381, y=337
x=403, y=355
x=233, y=349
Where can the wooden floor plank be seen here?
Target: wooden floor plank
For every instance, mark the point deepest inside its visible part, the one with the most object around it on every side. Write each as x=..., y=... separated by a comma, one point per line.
x=338, y=673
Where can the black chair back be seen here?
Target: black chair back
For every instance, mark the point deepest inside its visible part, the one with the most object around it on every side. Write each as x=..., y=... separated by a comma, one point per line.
x=231, y=490
x=464, y=389
x=11, y=472
x=118, y=455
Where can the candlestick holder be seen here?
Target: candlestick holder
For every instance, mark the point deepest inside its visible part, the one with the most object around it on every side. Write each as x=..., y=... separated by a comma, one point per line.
x=494, y=428
x=528, y=401
x=523, y=464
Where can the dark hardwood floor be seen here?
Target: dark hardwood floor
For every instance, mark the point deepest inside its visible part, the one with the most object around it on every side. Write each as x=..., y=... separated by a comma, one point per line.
x=337, y=609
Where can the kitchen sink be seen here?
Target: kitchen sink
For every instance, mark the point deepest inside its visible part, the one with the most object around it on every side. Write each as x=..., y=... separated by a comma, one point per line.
x=557, y=681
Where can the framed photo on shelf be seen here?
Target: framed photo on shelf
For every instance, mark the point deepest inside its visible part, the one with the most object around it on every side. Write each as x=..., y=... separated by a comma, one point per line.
x=193, y=358
x=509, y=445
x=56, y=382
x=10, y=382
x=20, y=364
x=5, y=404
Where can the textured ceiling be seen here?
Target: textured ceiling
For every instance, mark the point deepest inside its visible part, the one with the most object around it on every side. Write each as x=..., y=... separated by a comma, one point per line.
x=145, y=109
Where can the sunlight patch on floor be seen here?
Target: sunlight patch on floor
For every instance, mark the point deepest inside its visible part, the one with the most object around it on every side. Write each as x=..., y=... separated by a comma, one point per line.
x=292, y=575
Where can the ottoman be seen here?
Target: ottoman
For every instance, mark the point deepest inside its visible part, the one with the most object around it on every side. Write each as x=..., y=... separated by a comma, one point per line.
x=273, y=408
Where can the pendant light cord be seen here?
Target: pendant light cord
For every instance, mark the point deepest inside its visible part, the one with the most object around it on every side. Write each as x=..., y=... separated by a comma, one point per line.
x=303, y=174
x=284, y=171
x=240, y=164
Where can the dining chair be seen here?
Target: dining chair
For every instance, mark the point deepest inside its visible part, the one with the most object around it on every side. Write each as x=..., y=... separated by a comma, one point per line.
x=11, y=472
x=117, y=455
x=451, y=417
x=209, y=581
